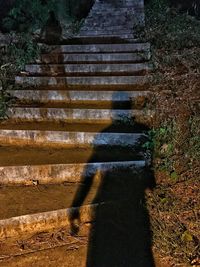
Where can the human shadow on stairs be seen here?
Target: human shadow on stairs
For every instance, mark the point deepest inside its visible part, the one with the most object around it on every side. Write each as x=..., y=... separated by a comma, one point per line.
x=120, y=235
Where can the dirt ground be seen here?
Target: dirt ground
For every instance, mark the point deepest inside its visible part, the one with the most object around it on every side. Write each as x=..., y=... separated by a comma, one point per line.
x=175, y=204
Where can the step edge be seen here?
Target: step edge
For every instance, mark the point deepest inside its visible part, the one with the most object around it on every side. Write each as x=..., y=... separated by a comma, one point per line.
x=60, y=173
x=44, y=221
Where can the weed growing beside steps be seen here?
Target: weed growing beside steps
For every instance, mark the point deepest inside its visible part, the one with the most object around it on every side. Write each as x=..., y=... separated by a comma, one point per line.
x=166, y=141
x=21, y=22
x=162, y=143
x=6, y=81
x=13, y=58
x=175, y=138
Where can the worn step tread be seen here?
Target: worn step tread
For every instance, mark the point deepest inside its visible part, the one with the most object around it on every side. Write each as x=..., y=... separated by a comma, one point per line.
x=69, y=139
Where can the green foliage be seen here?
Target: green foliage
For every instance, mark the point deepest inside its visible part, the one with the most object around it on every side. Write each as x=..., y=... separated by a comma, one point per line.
x=159, y=137
x=28, y=15
x=13, y=59
x=31, y=15
x=4, y=74
x=5, y=83
x=162, y=143
x=23, y=51
x=5, y=101
x=194, y=142
x=22, y=22
x=168, y=29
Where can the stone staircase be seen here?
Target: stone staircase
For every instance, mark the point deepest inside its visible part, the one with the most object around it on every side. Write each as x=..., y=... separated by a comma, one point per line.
x=71, y=151
x=118, y=19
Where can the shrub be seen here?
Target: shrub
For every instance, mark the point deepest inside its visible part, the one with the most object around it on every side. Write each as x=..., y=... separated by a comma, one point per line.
x=168, y=29
x=28, y=15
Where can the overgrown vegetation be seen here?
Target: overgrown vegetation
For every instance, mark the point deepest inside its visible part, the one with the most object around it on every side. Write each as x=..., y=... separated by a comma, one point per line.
x=28, y=16
x=22, y=21
x=175, y=137
x=168, y=29
x=27, y=21
x=6, y=80
x=13, y=59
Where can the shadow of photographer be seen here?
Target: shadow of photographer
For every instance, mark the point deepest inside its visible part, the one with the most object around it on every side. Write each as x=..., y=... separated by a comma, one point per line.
x=120, y=234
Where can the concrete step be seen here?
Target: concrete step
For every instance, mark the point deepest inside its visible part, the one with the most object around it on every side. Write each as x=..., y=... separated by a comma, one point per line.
x=98, y=82
x=38, y=199
x=107, y=99
x=97, y=40
x=119, y=5
x=77, y=126
x=40, y=155
x=103, y=48
x=53, y=58
x=47, y=253
x=116, y=12
x=69, y=139
x=16, y=226
x=60, y=252
x=41, y=208
x=116, y=8
x=106, y=21
x=136, y=18
x=119, y=2
x=120, y=36
x=107, y=28
x=87, y=69
x=107, y=117
x=90, y=27
x=30, y=227
x=45, y=249
x=113, y=12
x=64, y=173
x=108, y=32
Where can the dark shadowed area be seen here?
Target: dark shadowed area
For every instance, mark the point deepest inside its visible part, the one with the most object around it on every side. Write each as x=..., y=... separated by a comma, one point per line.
x=120, y=234
x=5, y=7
